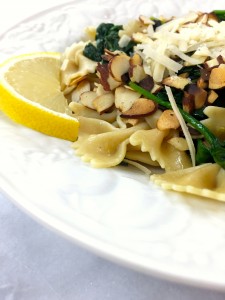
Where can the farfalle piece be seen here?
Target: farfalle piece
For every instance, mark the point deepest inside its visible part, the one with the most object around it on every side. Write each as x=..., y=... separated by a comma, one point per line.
x=102, y=144
x=207, y=180
x=215, y=121
x=155, y=142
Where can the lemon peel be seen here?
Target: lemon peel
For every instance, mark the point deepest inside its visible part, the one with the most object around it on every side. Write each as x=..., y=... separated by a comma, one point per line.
x=30, y=94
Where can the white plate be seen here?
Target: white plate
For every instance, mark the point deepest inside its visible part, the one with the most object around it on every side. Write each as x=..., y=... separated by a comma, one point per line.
x=116, y=212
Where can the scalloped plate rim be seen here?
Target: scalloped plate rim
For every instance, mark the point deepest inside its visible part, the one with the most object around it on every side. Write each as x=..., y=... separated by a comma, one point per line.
x=103, y=248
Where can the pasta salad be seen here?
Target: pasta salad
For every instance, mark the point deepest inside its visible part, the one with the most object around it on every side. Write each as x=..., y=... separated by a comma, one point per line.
x=151, y=93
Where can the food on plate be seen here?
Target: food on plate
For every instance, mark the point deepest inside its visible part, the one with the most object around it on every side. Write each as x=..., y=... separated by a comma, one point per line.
x=30, y=95
x=151, y=92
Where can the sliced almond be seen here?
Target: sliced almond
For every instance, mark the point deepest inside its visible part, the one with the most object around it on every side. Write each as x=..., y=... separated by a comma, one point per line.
x=142, y=107
x=136, y=60
x=131, y=121
x=104, y=102
x=203, y=18
x=156, y=88
x=200, y=95
x=113, y=53
x=188, y=103
x=103, y=74
x=136, y=70
x=106, y=79
x=80, y=110
x=147, y=83
x=176, y=82
x=87, y=98
x=184, y=75
x=137, y=73
x=217, y=78
x=205, y=73
x=108, y=55
x=211, y=63
x=118, y=66
x=212, y=96
x=124, y=98
x=83, y=86
x=201, y=83
x=168, y=120
x=113, y=84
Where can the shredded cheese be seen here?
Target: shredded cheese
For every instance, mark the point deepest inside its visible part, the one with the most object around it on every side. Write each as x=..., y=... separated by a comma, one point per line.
x=182, y=124
x=169, y=47
x=185, y=57
x=163, y=59
x=138, y=166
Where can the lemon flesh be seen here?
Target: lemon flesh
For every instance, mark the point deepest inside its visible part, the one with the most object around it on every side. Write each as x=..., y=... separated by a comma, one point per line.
x=30, y=95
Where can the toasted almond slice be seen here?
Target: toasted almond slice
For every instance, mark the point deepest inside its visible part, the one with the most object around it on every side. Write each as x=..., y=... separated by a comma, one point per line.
x=188, y=103
x=99, y=89
x=176, y=81
x=156, y=88
x=136, y=60
x=142, y=107
x=131, y=121
x=87, y=98
x=211, y=63
x=203, y=18
x=108, y=55
x=217, y=78
x=200, y=95
x=184, y=75
x=136, y=73
x=212, y=96
x=124, y=98
x=104, y=102
x=201, y=83
x=136, y=70
x=106, y=79
x=168, y=120
x=118, y=66
x=83, y=86
x=113, y=84
x=147, y=83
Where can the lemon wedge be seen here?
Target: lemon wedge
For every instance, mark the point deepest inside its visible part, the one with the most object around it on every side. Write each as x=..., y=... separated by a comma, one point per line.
x=30, y=95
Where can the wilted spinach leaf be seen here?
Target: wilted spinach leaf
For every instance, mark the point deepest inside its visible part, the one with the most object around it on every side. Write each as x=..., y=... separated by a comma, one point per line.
x=194, y=72
x=107, y=37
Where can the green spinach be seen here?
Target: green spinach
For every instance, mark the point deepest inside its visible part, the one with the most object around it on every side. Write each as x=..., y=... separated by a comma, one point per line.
x=107, y=37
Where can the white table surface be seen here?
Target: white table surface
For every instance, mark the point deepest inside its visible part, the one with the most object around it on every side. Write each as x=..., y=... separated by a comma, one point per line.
x=37, y=264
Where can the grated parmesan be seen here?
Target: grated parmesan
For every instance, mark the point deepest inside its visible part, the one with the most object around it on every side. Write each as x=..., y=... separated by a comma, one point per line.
x=182, y=124
x=179, y=42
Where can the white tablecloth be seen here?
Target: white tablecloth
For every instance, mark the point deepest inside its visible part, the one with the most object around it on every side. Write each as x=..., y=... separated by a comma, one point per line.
x=37, y=264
